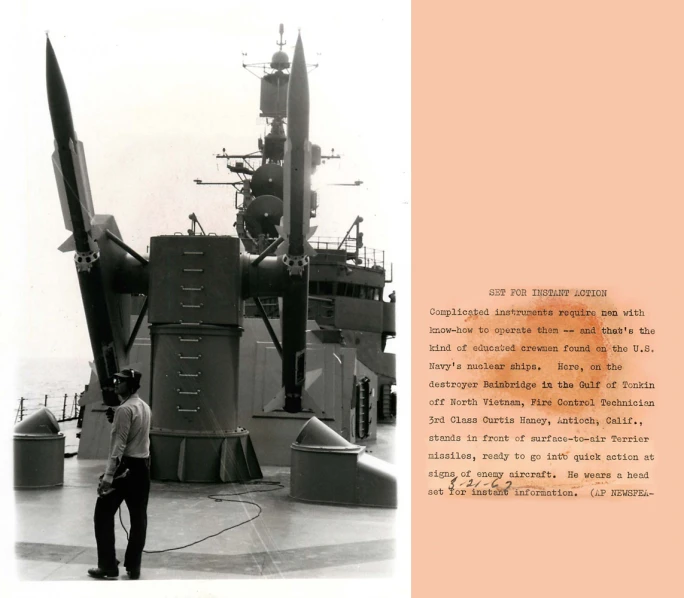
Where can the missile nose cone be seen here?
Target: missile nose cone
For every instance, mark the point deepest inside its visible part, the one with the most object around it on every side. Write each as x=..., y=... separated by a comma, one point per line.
x=58, y=99
x=299, y=46
x=298, y=94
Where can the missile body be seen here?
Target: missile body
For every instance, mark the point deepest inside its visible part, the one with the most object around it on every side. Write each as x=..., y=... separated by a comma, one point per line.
x=295, y=228
x=77, y=208
x=295, y=295
x=295, y=231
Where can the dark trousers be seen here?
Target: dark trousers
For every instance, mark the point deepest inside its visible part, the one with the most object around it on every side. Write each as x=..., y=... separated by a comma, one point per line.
x=134, y=488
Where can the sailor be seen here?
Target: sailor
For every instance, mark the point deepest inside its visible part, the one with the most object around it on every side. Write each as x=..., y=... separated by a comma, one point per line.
x=126, y=478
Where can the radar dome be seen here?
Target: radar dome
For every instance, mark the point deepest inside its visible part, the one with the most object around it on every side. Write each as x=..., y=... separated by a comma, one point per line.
x=268, y=180
x=263, y=215
x=280, y=61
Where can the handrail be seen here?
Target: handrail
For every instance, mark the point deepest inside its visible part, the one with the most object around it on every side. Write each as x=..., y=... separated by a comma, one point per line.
x=59, y=404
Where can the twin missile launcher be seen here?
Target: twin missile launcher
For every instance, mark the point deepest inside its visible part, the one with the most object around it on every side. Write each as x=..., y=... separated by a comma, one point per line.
x=208, y=369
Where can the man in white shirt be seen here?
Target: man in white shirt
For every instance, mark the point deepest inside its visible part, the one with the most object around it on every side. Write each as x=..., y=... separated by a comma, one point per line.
x=126, y=478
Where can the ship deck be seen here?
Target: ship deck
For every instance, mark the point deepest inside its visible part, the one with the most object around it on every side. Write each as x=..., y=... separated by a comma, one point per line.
x=54, y=539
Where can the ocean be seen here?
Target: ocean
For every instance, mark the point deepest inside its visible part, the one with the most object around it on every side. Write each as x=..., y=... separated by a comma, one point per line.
x=51, y=376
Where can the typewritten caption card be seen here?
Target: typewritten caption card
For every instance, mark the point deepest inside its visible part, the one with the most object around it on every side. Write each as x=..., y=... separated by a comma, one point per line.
x=546, y=308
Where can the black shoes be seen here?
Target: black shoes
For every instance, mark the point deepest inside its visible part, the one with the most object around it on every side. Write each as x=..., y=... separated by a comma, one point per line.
x=98, y=573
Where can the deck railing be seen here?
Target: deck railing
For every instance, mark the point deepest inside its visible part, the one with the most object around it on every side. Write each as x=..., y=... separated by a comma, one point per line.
x=366, y=256
x=64, y=408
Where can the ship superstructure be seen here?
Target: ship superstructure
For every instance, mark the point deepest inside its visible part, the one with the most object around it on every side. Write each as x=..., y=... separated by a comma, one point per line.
x=346, y=279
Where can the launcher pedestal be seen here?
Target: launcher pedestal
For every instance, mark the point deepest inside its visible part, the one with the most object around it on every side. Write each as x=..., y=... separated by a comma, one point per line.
x=195, y=315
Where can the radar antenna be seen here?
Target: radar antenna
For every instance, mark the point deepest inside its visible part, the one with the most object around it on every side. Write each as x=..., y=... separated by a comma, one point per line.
x=281, y=30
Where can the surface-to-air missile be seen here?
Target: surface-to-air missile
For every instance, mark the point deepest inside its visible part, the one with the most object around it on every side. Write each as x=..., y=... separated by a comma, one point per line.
x=107, y=327
x=295, y=232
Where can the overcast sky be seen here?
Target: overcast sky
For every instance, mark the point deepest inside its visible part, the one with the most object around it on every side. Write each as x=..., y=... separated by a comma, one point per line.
x=157, y=89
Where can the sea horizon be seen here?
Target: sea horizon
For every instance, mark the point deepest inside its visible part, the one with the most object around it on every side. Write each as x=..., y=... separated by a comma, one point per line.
x=56, y=376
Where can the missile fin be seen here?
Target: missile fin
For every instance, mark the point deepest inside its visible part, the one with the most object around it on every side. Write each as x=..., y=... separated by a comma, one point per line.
x=312, y=376
x=306, y=191
x=276, y=402
x=283, y=248
x=82, y=183
x=68, y=245
x=308, y=249
x=93, y=394
x=309, y=403
x=82, y=179
x=61, y=190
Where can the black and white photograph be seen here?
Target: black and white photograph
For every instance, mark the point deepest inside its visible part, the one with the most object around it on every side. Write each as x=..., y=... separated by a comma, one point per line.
x=210, y=373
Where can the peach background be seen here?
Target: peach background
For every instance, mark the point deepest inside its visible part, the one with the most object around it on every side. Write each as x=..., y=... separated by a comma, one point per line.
x=548, y=151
